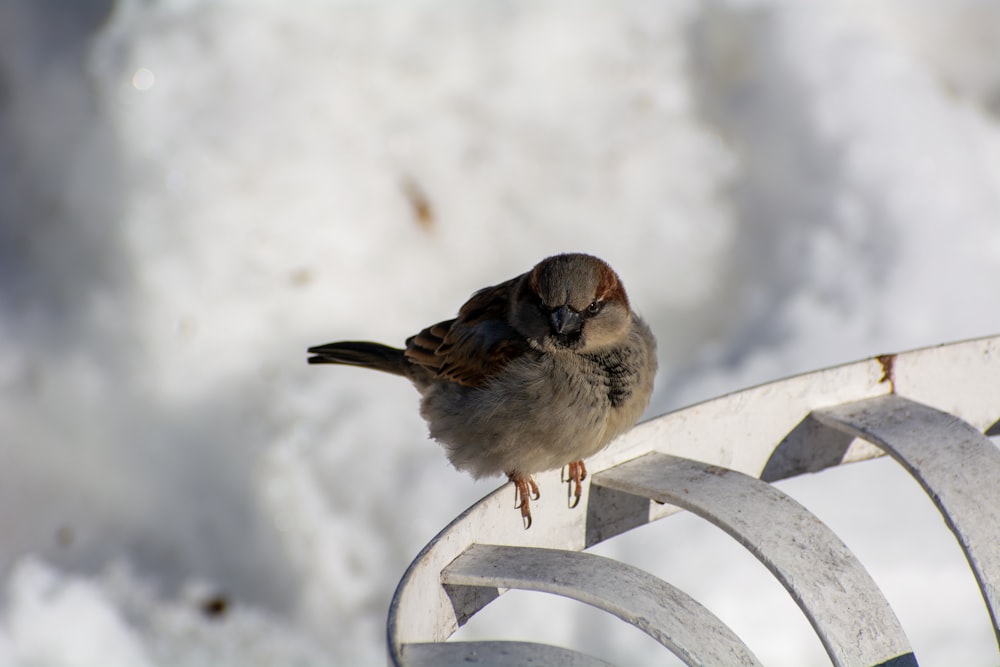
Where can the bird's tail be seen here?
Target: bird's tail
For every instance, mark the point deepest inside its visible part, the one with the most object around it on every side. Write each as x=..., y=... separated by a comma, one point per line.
x=361, y=353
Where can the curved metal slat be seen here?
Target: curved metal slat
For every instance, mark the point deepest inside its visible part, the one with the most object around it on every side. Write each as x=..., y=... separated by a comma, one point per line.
x=495, y=654
x=957, y=465
x=738, y=431
x=665, y=613
x=846, y=608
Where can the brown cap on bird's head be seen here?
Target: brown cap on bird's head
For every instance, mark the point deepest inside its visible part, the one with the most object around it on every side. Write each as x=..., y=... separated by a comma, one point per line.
x=552, y=278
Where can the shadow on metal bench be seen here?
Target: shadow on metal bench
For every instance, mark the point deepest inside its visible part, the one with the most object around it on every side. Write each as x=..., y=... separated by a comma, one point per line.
x=928, y=409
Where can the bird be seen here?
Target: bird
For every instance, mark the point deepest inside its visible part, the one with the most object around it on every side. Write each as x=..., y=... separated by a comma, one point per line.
x=536, y=373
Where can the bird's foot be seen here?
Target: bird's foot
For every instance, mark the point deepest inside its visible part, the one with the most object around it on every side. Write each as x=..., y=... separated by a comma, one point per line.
x=525, y=490
x=576, y=472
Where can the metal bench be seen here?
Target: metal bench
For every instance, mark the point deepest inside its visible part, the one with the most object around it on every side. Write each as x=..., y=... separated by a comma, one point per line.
x=928, y=409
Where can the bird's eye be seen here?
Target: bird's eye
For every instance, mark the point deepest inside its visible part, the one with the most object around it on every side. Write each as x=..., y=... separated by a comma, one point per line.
x=594, y=307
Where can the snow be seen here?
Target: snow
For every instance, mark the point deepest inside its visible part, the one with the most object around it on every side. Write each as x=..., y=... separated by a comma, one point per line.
x=194, y=191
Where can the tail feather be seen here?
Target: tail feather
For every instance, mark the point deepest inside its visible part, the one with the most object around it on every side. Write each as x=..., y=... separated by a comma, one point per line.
x=361, y=353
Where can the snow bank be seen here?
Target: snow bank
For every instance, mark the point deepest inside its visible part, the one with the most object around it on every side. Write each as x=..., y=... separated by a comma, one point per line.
x=193, y=192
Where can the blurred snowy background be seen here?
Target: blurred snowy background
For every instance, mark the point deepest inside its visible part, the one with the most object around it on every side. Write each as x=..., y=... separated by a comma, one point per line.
x=193, y=191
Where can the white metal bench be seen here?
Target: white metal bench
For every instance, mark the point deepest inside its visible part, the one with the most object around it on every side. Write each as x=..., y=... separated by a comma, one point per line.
x=928, y=409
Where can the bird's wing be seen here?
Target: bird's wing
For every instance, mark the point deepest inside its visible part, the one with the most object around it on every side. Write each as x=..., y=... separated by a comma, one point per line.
x=474, y=346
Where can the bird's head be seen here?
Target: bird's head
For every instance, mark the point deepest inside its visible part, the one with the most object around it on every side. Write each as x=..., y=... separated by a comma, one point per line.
x=571, y=301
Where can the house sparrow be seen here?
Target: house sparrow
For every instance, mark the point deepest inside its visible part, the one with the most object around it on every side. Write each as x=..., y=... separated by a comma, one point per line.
x=536, y=373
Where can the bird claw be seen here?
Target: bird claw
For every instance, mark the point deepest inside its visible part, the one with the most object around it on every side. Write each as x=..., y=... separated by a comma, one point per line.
x=576, y=473
x=525, y=490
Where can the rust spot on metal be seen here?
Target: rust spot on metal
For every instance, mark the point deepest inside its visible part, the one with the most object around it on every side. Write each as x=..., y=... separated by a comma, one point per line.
x=888, y=362
x=423, y=212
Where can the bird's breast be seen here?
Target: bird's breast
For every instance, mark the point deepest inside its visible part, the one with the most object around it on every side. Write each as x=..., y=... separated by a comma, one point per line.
x=614, y=374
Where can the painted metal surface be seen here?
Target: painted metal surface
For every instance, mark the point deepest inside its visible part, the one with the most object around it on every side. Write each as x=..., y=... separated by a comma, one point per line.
x=957, y=465
x=496, y=654
x=772, y=431
x=665, y=613
x=849, y=613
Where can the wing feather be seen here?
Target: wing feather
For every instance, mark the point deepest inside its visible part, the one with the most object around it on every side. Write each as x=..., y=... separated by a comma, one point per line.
x=477, y=344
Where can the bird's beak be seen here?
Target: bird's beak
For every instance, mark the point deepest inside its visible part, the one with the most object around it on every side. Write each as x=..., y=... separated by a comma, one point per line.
x=565, y=320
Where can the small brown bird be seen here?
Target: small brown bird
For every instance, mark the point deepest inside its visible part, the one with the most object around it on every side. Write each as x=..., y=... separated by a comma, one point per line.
x=536, y=373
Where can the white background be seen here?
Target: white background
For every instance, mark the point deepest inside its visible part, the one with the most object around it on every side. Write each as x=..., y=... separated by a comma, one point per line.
x=192, y=192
